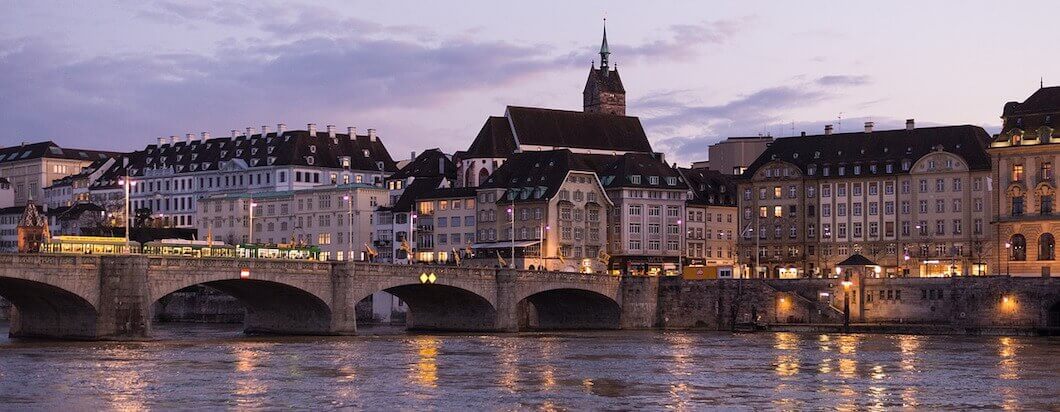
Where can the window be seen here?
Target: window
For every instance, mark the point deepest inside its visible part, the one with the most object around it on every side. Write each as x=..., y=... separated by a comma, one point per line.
x=1017, y=206
x=1017, y=173
x=1018, y=247
x=1046, y=171
x=940, y=185
x=778, y=211
x=923, y=186
x=957, y=226
x=792, y=192
x=776, y=192
x=634, y=210
x=905, y=187
x=940, y=206
x=826, y=210
x=856, y=189
x=1046, y=247
x=826, y=191
x=654, y=210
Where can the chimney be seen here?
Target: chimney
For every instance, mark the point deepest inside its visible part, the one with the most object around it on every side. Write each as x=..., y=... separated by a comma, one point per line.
x=234, y=133
x=910, y=124
x=161, y=141
x=250, y=131
x=312, y=128
x=868, y=127
x=190, y=137
x=352, y=131
x=331, y=131
x=172, y=139
x=803, y=134
x=280, y=129
x=264, y=131
x=413, y=155
x=371, y=134
x=205, y=136
x=827, y=129
x=441, y=165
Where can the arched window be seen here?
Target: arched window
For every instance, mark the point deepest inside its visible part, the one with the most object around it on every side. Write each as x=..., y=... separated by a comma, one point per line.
x=483, y=174
x=469, y=175
x=1018, y=245
x=1046, y=247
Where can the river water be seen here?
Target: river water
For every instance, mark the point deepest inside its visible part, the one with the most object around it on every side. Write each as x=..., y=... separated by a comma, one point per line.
x=213, y=366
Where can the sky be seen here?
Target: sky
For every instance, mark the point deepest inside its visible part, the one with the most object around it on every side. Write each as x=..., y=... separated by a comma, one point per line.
x=118, y=75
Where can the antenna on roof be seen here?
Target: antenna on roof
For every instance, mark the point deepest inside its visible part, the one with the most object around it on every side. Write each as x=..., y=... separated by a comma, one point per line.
x=840, y=122
x=1041, y=82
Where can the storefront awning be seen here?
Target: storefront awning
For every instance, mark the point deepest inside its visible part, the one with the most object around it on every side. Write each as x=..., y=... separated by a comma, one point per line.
x=505, y=245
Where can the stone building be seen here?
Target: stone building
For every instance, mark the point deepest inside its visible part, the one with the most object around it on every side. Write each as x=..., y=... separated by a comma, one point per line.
x=732, y=155
x=7, y=193
x=916, y=200
x=32, y=167
x=170, y=177
x=32, y=230
x=543, y=209
x=319, y=216
x=74, y=188
x=710, y=221
x=603, y=91
x=1024, y=158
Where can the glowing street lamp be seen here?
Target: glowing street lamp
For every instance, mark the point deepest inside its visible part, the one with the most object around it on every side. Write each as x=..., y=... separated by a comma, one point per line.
x=127, y=184
x=1008, y=262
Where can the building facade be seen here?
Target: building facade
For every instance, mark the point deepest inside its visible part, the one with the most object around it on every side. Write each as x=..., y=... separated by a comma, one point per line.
x=447, y=219
x=710, y=224
x=1024, y=157
x=732, y=156
x=32, y=167
x=914, y=200
x=338, y=218
x=397, y=231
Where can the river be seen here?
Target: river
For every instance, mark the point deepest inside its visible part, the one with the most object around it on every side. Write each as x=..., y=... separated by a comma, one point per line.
x=212, y=366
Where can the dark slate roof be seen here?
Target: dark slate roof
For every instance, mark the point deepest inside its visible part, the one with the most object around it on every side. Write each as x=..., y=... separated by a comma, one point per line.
x=619, y=171
x=495, y=140
x=17, y=210
x=414, y=191
x=75, y=211
x=1044, y=100
x=610, y=83
x=856, y=260
x=534, y=176
x=290, y=148
x=449, y=192
x=430, y=163
x=878, y=147
x=710, y=187
x=564, y=128
x=1039, y=111
x=3, y=180
x=49, y=149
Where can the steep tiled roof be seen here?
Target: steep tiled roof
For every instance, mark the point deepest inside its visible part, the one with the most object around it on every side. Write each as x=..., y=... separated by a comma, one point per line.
x=564, y=128
x=495, y=140
x=430, y=163
x=635, y=170
x=611, y=83
x=449, y=192
x=49, y=149
x=878, y=147
x=414, y=191
x=535, y=176
x=710, y=187
x=1044, y=100
x=290, y=148
x=75, y=211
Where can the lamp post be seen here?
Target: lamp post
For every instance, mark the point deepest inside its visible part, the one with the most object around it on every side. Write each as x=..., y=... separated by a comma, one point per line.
x=127, y=183
x=250, y=238
x=846, y=299
x=511, y=212
x=1008, y=260
x=349, y=199
x=681, y=253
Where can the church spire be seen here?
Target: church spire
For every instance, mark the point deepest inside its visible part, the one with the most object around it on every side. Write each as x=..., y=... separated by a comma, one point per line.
x=604, y=50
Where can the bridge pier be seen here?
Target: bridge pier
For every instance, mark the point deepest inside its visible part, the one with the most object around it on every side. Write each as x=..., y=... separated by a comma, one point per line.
x=640, y=302
x=343, y=300
x=124, y=301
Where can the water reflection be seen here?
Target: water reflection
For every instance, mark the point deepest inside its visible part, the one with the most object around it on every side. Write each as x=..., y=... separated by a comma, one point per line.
x=1009, y=366
x=787, y=360
x=249, y=388
x=124, y=385
x=425, y=372
x=681, y=355
x=508, y=378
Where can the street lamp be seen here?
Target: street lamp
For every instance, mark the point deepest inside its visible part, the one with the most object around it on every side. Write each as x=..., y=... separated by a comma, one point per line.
x=1008, y=261
x=250, y=239
x=846, y=299
x=681, y=253
x=349, y=199
x=127, y=184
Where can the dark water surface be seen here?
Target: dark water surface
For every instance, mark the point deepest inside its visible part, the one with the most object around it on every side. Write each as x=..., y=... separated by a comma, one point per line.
x=211, y=367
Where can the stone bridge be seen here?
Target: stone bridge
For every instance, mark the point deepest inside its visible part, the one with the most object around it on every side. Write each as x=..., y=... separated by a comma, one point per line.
x=110, y=297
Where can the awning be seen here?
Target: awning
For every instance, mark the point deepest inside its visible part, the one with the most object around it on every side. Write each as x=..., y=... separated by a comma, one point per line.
x=505, y=245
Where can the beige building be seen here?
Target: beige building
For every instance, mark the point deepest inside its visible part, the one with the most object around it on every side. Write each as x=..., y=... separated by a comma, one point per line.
x=914, y=200
x=711, y=223
x=32, y=167
x=447, y=219
x=319, y=217
x=733, y=155
x=1024, y=158
x=550, y=208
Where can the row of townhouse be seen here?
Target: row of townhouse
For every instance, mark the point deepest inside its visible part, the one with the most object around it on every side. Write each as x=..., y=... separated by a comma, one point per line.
x=934, y=201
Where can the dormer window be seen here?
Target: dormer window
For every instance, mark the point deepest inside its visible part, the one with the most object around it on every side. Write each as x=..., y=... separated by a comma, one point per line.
x=271, y=160
x=253, y=162
x=310, y=160
x=905, y=165
x=194, y=156
x=312, y=148
x=271, y=149
x=345, y=162
x=194, y=167
x=253, y=151
x=239, y=153
x=367, y=153
x=635, y=179
x=224, y=153
x=672, y=181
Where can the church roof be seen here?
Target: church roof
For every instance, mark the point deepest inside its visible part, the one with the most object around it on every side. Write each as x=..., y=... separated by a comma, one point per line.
x=575, y=129
x=494, y=140
x=606, y=80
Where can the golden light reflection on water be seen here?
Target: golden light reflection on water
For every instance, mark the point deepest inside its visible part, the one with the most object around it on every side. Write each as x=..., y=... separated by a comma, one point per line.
x=124, y=383
x=910, y=347
x=1008, y=366
x=248, y=387
x=425, y=372
x=508, y=378
x=681, y=350
x=548, y=370
x=787, y=362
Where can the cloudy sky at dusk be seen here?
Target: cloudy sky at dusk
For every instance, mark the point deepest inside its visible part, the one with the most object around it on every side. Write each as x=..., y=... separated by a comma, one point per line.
x=427, y=74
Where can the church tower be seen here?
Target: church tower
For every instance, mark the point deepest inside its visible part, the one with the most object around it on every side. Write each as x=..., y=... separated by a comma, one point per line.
x=603, y=90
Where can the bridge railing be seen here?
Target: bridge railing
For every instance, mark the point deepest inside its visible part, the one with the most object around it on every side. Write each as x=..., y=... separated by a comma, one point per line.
x=47, y=260
x=213, y=263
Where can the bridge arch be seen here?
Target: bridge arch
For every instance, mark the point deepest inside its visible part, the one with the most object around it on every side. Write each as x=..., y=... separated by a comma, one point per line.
x=44, y=310
x=275, y=298
x=569, y=308
x=438, y=297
